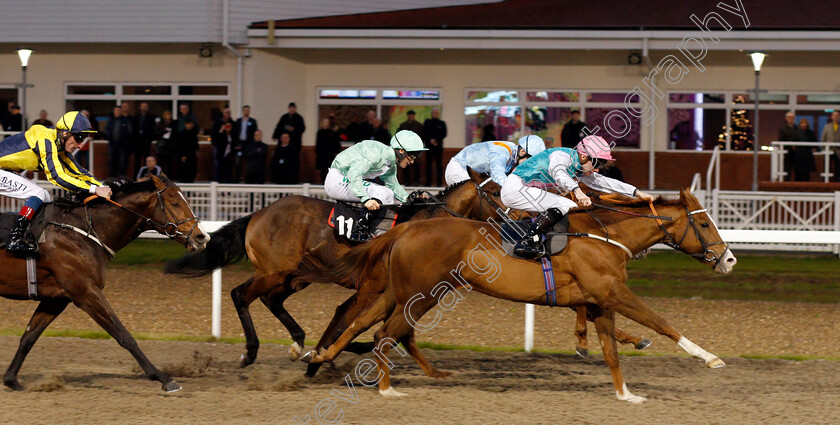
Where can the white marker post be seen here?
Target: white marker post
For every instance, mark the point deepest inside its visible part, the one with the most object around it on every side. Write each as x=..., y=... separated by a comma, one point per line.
x=529, y=327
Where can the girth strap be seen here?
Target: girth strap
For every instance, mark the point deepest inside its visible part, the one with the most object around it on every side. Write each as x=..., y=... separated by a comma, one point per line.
x=550, y=287
x=31, y=278
x=85, y=234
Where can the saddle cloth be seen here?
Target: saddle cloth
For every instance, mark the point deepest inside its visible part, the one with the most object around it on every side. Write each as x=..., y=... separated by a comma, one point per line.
x=554, y=241
x=36, y=229
x=345, y=215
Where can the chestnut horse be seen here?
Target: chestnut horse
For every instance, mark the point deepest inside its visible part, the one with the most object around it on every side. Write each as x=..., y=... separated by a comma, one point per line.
x=79, y=243
x=276, y=239
x=588, y=272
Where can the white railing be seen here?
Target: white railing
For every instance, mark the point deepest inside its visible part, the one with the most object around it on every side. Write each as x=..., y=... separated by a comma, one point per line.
x=780, y=149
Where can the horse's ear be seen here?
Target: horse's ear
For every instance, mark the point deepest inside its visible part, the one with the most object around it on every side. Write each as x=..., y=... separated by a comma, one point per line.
x=159, y=183
x=473, y=174
x=683, y=195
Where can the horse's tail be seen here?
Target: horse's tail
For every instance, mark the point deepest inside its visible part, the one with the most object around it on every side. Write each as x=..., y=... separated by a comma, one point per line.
x=226, y=246
x=353, y=267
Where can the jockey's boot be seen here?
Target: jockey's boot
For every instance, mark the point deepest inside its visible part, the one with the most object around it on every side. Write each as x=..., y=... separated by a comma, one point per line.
x=531, y=245
x=361, y=231
x=18, y=245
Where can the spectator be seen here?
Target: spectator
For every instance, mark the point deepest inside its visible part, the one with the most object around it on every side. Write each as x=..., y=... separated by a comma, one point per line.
x=434, y=131
x=831, y=134
x=183, y=115
x=14, y=121
x=42, y=119
x=572, y=132
x=609, y=169
x=165, y=135
x=186, y=149
x=5, y=112
x=151, y=168
x=409, y=174
x=293, y=124
x=222, y=139
x=118, y=132
x=366, y=127
x=144, y=132
x=243, y=129
x=488, y=133
x=327, y=146
x=788, y=134
x=803, y=156
x=281, y=162
x=351, y=132
x=255, y=158
x=380, y=134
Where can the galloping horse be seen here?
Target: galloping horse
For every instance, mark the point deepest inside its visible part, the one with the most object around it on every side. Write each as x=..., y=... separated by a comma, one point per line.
x=79, y=243
x=588, y=272
x=276, y=239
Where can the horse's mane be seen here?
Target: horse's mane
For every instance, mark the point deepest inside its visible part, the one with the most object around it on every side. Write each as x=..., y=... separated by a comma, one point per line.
x=449, y=189
x=630, y=202
x=120, y=186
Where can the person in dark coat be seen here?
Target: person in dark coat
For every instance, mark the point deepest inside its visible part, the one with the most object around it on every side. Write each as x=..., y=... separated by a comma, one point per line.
x=186, y=150
x=144, y=132
x=488, y=133
x=572, y=132
x=282, y=162
x=803, y=156
x=223, y=140
x=788, y=134
x=610, y=170
x=434, y=131
x=118, y=131
x=255, y=158
x=327, y=146
x=293, y=124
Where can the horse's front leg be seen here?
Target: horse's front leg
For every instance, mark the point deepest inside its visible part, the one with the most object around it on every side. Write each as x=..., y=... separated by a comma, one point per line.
x=582, y=347
x=44, y=314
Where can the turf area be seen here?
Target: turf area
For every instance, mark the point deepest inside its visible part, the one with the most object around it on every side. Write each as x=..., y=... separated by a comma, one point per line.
x=765, y=277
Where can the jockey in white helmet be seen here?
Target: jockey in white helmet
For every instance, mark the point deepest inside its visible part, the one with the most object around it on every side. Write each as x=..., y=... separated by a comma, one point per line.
x=560, y=168
x=496, y=158
x=366, y=160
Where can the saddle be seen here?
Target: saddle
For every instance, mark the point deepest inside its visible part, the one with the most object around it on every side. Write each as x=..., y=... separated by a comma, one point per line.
x=35, y=232
x=554, y=241
x=344, y=216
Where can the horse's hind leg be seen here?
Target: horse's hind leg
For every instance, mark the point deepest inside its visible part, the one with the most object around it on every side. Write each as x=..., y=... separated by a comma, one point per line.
x=409, y=342
x=605, y=325
x=93, y=302
x=582, y=347
x=274, y=301
x=46, y=312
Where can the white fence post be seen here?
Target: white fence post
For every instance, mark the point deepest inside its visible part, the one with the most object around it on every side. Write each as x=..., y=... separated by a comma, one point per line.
x=216, y=327
x=214, y=201
x=837, y=218
x=529, y=327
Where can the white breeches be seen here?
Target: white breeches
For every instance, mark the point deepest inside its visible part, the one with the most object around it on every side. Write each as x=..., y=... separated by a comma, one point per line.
x=338, y=188
x=14, y=185
x=455, y=173
x=515, y=194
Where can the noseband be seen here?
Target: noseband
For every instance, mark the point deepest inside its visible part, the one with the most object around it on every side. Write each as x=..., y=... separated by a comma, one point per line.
x=708, y=255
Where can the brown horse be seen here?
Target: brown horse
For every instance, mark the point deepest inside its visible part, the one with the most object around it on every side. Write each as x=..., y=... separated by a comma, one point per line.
x=276, y=239
x=588, y=272
x=77, y=248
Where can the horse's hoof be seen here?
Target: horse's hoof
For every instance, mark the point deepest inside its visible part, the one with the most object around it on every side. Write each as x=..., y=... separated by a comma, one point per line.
x=391, y=392
x=645, y=343
x=439, y=374
x=635, y=399
x=715, y=363
x=245, y=360
x=582, y=352
x=172, y=387
x=294, y=351
x=308, y=357
x=13, y=384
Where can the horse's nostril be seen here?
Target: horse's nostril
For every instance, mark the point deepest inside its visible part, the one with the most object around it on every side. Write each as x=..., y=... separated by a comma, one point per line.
x=201, y=237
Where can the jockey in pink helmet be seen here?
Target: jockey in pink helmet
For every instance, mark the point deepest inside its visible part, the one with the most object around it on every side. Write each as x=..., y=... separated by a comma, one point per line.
x=527, y=188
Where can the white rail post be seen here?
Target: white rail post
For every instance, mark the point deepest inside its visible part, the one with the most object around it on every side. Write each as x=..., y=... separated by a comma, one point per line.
x=529, y=327
x=837, y=218
x=214, y=201
x=217, y=304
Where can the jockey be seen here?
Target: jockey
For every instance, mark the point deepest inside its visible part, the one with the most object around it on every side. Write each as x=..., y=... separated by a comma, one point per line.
x=365, y=160
x=526, y=188
x=497, y=158
x=48, y=150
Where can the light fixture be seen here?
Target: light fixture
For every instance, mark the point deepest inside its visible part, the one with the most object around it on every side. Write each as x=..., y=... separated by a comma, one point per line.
x=205, y=51
x=634, y=58
x=757, y=60
x=24, y=54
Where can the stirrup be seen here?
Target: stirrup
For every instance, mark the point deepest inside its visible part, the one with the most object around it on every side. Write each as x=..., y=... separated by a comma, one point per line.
x=21, y=248
x=529, y=248
x=362, y=235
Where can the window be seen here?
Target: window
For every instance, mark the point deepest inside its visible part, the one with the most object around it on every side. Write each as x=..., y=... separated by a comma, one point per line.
x=696, y=121
x=205, y=100
x=345, y=109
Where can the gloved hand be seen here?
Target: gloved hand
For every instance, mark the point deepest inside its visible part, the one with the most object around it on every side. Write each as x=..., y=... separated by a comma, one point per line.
x=417, y=197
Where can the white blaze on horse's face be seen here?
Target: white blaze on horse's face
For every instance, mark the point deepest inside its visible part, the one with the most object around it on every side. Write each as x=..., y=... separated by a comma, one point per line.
x=201, y=239
x=727, y=259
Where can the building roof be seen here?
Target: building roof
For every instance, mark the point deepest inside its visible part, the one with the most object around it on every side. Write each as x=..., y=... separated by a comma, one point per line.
x=584, y=14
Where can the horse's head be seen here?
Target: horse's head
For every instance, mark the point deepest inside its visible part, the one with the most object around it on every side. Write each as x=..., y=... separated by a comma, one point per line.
x=700, y=237
x=173, y=217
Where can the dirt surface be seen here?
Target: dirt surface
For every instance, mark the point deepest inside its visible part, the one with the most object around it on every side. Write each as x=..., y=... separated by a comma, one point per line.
x=73, y=380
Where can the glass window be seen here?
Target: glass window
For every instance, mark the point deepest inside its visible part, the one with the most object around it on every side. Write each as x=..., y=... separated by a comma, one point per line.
x=203, y=90
x=551, y=96
x=818, y=99
x=502, y=96
x=505, y=121
x=547, y=122
x=704, y=98
x=78, y=89
x=394, y=115
x=147, y=90
x=764, y=99
x=411, y=94
x=339, y=94
x=695, y=128
x=624, y=129
x=345, y=119
x=100, y=111
x=610, y=97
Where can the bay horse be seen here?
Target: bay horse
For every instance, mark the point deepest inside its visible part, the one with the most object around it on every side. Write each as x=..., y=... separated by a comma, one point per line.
x=276, y=238
x=588, y=272
x=78, y=244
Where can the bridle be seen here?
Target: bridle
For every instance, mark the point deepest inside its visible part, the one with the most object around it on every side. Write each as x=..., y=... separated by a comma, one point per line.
x=708, y=255
x=483, y=197
x=170, y=228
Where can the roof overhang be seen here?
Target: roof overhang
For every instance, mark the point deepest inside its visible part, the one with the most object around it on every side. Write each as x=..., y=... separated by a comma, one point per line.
x=302, y=38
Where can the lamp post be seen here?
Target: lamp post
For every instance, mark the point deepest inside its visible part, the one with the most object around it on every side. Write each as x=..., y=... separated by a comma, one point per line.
x=24, y=54
x=757, y=60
